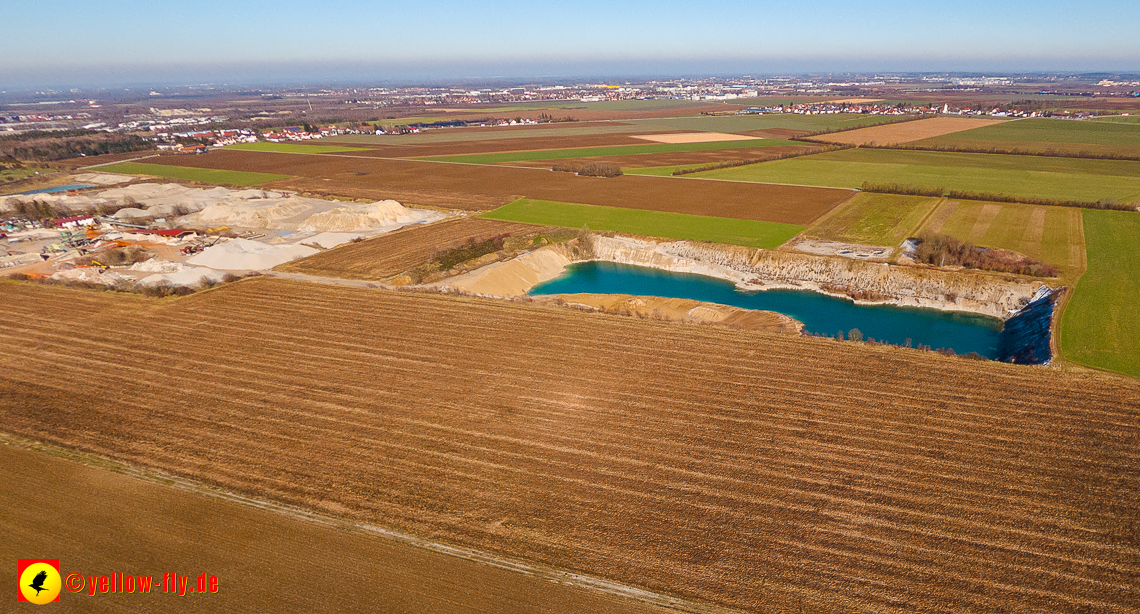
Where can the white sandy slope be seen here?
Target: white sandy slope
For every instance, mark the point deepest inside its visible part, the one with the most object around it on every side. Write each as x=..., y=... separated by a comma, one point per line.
x=187, y=276
x=513, y=277
x=246, y=255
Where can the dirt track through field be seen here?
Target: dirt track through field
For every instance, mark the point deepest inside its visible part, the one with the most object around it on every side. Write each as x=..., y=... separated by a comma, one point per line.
x=985, y=218
x=757, y=471
x=1034, y=231
x=938, y=220
x=97, y=520
x=470, y=186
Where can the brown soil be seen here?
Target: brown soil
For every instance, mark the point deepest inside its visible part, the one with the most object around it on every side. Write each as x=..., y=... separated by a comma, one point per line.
x=98, y=521
x=391, y=254
x=767, y=472
x=495, y=146
x=469, y=186
x=74, y=163
x=677, y=158
x=905, y=132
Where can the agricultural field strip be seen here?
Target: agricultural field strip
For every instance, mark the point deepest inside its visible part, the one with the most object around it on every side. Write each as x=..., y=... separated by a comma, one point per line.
x=1038, y=176
x=267, y=366
x=333, y=307
x=593, y=152
x=804, y=508
x=356, y=539
x=364, y=354
x=773, y=426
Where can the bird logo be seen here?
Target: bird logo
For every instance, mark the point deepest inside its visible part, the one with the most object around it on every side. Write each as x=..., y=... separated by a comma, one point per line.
x=39, y=580
x=38, y=583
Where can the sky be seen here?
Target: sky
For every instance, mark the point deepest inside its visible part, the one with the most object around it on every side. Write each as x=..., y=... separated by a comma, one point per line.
x=83, y=43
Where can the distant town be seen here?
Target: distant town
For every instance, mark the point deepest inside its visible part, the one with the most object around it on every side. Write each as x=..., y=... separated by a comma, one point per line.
x=163, y=116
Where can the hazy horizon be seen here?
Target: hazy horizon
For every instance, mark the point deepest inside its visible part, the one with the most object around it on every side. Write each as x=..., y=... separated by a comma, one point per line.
x=259, y=42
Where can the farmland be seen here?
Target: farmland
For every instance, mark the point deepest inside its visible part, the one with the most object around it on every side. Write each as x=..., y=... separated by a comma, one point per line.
x=483, y=134
x=290, y=148
x=1050, y=234
x=652, y=162
x=749, y=233
x=476, y=187
x=875, y=219
x=225, y=177
x=391, y=254
x=1048, y=135
x=1101, y=324
x=592, y=152
x=684, y=459
x=146, y=527
x=1025, y=176
x=750, y=123
x=906, y=132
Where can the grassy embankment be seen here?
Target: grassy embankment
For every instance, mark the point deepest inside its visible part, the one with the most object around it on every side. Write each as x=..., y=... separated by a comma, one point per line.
x=207, y=175
x=617, y=150
x=650, y=223
x=1101, y=326
x=1019, y=176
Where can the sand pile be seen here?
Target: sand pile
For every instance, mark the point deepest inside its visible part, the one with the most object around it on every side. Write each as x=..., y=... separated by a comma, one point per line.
x=262, y=213
x=185, y=276
x=108, y=278
x=154, y=265
x=307, y=215
x=372, y=216
x=245, y=255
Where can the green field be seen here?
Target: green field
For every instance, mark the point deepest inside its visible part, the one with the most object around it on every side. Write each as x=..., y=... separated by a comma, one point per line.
x=1118, y=119
x=615, y=150
x=744, y=123
x=1101, y=325
x=1025, y=176
x=207, y=175
x=658, y=171
x=290, y=148
x=490, y=133
x=874, y=219
x=1048, y=234
x=649, y=223
x=1060, y=135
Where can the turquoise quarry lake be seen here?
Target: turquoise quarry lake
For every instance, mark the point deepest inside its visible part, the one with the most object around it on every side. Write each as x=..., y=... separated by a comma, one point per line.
x=820, y=313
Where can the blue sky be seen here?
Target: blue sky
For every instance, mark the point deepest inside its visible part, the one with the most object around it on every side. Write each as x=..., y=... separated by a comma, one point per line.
x=133, y=40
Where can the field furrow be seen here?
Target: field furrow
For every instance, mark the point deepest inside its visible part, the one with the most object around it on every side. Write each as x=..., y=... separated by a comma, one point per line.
x=755, y=471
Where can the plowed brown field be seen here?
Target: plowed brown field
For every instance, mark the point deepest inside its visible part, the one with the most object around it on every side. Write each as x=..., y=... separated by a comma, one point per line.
x=393, y=253
x=97, y=520
x=677, y=158
x=474, y=147
x=905, y=132
x=471, y=186
x=759, y=471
